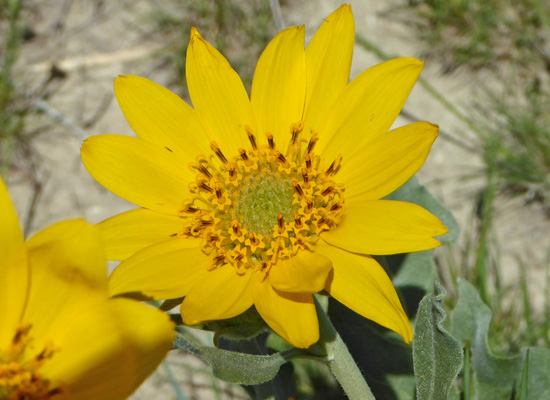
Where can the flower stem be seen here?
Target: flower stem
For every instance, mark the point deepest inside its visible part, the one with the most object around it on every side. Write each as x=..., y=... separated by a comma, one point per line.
x=340, y=361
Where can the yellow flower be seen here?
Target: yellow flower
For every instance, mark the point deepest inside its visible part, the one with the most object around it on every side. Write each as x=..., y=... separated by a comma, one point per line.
x=265, y=201
x=60, y=335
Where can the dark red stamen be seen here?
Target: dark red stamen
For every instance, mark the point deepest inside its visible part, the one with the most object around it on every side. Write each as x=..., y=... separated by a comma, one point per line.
x=214, y=146
x=270, y=141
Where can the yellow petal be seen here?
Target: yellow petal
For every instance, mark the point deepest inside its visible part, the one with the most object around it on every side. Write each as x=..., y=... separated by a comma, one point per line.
x=218, y=96
x=161, y=117
x=221, y=294
x=108, y=349
x=367, y=107
x=165, y=270
x=306, y=272
x=385, y=227
x=68, y=271
x=125, y=234
x=362, y=285
x=328, y=62
x=14, y=274
x=291, y=315
x=279, y=86
x=70, y=249
x=387, y=162
x=146, y=174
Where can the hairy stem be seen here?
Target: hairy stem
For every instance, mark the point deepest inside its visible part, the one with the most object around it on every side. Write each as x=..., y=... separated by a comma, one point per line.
x=340, y=361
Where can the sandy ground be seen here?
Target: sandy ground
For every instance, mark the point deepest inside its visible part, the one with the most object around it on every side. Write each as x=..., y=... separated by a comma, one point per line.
x=92, y=42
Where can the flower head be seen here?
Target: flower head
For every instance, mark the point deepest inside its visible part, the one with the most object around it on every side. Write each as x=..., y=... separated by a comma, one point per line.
x=267, y=200
x=60, y=336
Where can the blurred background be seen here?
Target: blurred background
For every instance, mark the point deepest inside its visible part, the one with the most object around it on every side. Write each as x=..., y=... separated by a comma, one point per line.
x=486, y=83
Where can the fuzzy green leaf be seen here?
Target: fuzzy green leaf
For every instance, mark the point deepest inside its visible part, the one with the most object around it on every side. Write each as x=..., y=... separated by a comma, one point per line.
x=413, y=192
x=437, y=356
x=496, y=377
x=416, y=270
x=231, y=366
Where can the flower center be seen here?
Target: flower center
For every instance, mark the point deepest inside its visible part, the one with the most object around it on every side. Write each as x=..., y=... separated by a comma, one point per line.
x=261, y=197
x=19, y=376
x=261, y=206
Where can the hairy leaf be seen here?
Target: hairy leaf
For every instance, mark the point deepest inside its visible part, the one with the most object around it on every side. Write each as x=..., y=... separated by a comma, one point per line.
x=231, y=366
x=494, y=376
x=416, y=270
x=437, y=356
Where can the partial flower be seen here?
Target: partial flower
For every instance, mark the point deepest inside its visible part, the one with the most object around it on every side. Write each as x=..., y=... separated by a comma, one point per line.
x=61, y=337
x=267, y=200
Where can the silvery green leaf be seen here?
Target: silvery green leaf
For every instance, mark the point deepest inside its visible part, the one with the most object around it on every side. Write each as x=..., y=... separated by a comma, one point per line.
x=437, y=356
x=495, y=376
x=416, y=270
x=232, y=366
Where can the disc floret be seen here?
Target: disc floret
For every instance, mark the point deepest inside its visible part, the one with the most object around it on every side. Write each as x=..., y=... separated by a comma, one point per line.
x=261, y=205
x=19, y=374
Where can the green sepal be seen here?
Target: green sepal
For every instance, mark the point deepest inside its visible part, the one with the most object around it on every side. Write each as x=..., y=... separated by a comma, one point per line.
x=242, y=327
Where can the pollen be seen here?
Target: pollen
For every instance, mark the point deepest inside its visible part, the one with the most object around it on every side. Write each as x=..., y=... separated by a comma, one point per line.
x=264, y=203
x=20, y=363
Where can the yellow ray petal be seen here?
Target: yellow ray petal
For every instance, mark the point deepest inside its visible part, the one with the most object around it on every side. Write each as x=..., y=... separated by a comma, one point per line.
x=387, y=162
x=66, y=265
x=279, y=86
x=14, y=274
x=291, y=315
x=165, y=270
x=361, y=284
x=385, y=227
x=218, y=96
x=125, y=234
x=108, y=349
x=306, y=272
x=367, y=107
x=328, y=62
x=221, y=294
x=141, y=172
x=73, y=249
x=159, y=116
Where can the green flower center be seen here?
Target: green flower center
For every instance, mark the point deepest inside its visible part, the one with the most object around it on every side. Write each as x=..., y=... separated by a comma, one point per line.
x=260, y=200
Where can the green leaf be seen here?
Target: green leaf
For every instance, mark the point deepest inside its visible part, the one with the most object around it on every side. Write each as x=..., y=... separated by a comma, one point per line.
x=524, y=379
x=402, y=385
x=413, y=192
x=416, y=270
x=437, y=356
x=494, y=376
x=231, y=366
x=467, y=372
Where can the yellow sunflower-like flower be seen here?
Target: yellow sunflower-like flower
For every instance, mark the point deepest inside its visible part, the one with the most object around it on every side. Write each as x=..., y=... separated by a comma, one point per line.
x=267, y=200
x=61, y=338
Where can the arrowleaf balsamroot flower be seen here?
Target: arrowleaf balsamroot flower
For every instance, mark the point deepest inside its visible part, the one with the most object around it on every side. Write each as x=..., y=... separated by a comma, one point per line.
x=61, y=337
x=267, y=200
